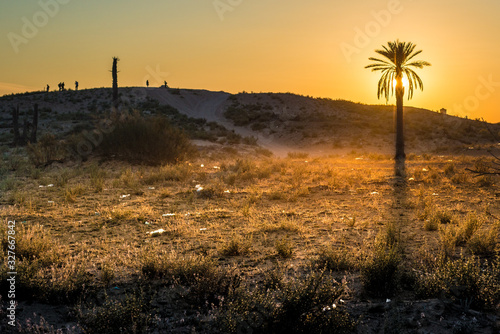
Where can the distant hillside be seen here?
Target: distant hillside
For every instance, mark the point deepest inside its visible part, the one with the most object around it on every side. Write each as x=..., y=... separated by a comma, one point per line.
x=326, y=124
x=281, y=122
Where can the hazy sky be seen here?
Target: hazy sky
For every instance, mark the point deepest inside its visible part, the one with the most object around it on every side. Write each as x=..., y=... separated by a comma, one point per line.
x=315, y=47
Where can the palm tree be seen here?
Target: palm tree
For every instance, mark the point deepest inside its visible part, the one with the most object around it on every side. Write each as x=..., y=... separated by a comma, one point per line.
x=398, y=62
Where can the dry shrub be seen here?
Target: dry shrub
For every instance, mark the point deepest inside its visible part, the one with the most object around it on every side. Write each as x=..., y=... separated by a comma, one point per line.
x=484, y=243
x=297, y=155
x=284, y=248
x=467, y=280
x=157, y=263
x=44, y=273
x=33, y=243
x=297, y=306
x=130, y=315
x=47, y=150
x=178, y=172
x=236, y=246
x=150, y=141
x=381, y=273
x=336, y=259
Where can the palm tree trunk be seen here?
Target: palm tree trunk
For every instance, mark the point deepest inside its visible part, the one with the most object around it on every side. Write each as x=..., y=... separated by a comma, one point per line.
x=400, y=140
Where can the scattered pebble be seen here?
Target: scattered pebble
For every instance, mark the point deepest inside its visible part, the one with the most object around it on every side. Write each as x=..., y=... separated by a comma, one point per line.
x=157, y=232
x=168, y=215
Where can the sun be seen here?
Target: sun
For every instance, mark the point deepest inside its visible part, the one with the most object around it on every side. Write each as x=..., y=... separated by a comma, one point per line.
x=405, y=82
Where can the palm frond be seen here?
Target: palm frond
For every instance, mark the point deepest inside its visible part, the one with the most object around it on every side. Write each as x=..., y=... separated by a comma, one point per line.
x=396, y=64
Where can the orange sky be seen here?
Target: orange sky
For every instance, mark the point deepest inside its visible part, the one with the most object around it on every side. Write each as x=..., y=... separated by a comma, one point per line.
x=314, y=47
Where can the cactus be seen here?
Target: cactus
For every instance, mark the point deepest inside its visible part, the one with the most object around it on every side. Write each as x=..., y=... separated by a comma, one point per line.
x=115, y=82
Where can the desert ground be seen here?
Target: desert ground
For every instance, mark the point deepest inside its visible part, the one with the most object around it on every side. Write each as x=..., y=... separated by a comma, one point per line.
x=279, y=214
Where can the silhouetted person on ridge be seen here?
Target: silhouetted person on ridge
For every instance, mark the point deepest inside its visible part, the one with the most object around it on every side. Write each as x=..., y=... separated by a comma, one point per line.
x=147, y=83
x=62, y=86
x=165, y=83
x=76, y=85
x=48, y=88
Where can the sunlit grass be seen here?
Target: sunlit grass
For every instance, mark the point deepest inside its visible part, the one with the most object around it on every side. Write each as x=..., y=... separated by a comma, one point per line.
x=206, y=230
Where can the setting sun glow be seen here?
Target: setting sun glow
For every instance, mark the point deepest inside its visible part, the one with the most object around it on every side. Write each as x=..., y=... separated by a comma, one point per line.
x=316, y=48
x=405, y=82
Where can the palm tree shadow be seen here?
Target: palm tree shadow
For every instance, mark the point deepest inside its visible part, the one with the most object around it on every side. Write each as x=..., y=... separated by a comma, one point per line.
x=400, y=168
x=400, y=199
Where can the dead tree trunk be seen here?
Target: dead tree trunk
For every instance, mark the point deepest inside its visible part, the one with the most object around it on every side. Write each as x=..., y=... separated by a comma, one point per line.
x=15, y=121
x=35, y=124
x=26, y=126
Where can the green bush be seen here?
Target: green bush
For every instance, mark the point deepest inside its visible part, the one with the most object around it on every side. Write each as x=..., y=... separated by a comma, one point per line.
x=150, y=141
